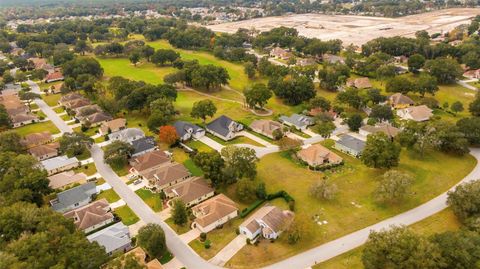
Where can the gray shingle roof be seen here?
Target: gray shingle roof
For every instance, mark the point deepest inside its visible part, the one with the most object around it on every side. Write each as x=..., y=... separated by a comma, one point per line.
x=351, y=142
x=73, y=195
x=143, y=144
x=297, y=120
x=112, y=237
x=220, y=125
x=181, y=127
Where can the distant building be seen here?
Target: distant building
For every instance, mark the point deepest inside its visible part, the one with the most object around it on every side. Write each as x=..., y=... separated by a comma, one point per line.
x=399, y=100
x=55, y=76
x=333, y=59
x=359, y=83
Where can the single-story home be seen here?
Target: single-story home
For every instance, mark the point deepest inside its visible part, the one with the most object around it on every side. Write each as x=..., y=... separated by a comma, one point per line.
x=224, y=127
x=92, y=216
x=333, y=59
x=55, y=76
x=350, y=144
x=265, y=127
x=36, y=139
x=399, y=100
x=55, y=89
x=112, y=126
x=69, y=97
x=149, y=161
x=97, y=118
x=268, y=221
x=280, y=53
x=186, y=130
x=19, y=120
x=65, y=178
x=306, y=62
x=43, y=152
x=77, y=103
x=59, y=164
x=127, y=135
x=213, y=213
x=166, y=176
x=191, y=192
x=143, y=145
x=115, y=238
x=74, y=197
x=300, y=122
x=415, y=113
x=359, y=83
x=472, y=74
x=316, y=155
x=379, y=128
x=82, y=112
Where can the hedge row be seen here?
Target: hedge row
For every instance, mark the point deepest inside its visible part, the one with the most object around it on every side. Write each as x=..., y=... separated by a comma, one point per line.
x=281, y=194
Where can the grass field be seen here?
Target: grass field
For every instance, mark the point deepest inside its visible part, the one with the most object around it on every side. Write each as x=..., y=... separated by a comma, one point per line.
x=109, y=194
x=181, y=157
x=51, y=99
x=441, y=222
x=37, y=127
x=151, y=199
x=354, y=206
x=126, y=214
x=88, y=169
x=198, y=146
x=236, y=140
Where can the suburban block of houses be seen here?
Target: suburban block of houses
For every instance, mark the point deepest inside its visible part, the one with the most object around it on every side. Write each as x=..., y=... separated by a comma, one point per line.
x=350, y=144
x=299, y=122
x=213, y=213
x=415, y=113
x=17, y=110
x=60, y=164
x=92, y=216
x=186, y=130
x=74, y=197
x=115, y=238
x=191, y=192
x=224, y=127
x=266, y=127
x=317, y=155
x=268, y=222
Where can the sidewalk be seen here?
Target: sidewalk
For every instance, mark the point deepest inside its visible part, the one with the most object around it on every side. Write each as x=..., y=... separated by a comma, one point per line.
x=229, y=250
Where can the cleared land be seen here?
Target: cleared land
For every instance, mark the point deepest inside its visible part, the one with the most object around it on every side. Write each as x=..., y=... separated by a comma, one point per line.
x=357, y=29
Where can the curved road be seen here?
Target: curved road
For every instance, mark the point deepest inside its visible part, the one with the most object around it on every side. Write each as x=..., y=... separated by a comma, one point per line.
x=303, y=260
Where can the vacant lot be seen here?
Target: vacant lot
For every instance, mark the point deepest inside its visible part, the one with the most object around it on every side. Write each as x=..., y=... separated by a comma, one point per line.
x=357, y=29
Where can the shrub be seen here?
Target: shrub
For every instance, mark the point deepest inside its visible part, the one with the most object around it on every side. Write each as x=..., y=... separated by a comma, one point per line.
x=249, y=241
x=203, y=236
x=249, y=209
x=207, y=244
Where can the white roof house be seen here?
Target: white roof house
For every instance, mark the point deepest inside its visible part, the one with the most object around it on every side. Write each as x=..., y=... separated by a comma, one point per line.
x=59, y=164
x=115, y=238
x=127, y=135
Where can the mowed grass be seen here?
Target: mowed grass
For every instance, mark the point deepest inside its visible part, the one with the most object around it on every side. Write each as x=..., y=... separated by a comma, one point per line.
x=88, y=169
x=126, y=215
x=441, y=222
x=354, y=207
x=109, y=194
x=151, y=199
x=37, y=127
x=51, y=99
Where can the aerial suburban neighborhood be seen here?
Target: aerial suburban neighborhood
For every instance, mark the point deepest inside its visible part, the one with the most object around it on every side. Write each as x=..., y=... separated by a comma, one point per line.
x=239, y=134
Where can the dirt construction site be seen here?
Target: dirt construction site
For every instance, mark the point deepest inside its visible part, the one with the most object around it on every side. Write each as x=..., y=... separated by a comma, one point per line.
x=357, y=30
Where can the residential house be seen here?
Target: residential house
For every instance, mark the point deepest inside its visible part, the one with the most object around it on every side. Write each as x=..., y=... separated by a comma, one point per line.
x=268, y=221
x=385, y=128
x=213, y=213
x=92, y=216
x=306, y=62
x=191, y=192
x=39, y=63
x=112, y=126
x=186, y=130
x=77, y=103
x=141, y=257
x=74, y=197
x=43, y=152
x=66, y=178
x=166, y=176
x=350, y=144
x=266, y=127
x=115, y=238
x=54, y=76
x=127, y=135
x=472, y=74
x=300, y=122
x=224, y=127
x=317, y=111
x=359, y=83
x=280, y=53
x=20, y=120
x=316, y=155
x=333, y=59
x=59, y=164
x=143, y=145
x=84, y=111
x=36, y=139
x=97, y=118
x=398, y=101
x=69, y=97
x=149, y=162
x=402, y=59
x=415, y=113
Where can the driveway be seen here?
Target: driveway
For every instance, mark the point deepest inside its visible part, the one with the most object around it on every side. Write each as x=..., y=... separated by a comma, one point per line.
x=254, y=138
x=230, y=250
x=464, y=83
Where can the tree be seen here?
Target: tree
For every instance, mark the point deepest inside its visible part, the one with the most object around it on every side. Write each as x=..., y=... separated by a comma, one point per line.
x=332, y=76
x=449, y=139
x=162, y=56
x=474, y=106
x=212, y=164
x=292, y=89
x=162, y=112
x=325, y=128
x=320, y=102
x=418, y=136
x=257, y=95
x=11, y=141
x=323, y=190
x=471, y=128
x=168, y=134
x=470, y=59
x=386, y=71
x=117, y=153
x=354, y=122
x=240, y=161
x=81, y=47
x=464, y=201
x=393, y=186
x=290, y=144
x=246, y=190
x=456, y=107
x=151, y=238
x=75, y=144
x=459, y=249
x=179, y=212
x=381, y=113
x=425, y=84
x=126, y=261
x=82, y=65
x=350, y=97
x=399, y=248
x=203, y=109
x=5, y=122
x=298, y=229
x=380, y=152
x=134, y=58
x=446, y=70
x=209, y=77
x=415, y=62
x=249, y=69
x=399, y=84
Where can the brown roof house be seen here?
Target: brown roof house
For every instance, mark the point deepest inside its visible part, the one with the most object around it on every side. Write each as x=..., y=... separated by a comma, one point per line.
x=472, y=74
x=97, y=118
x=112, y=126
x=191, y=192
x=36, y=139
x=149, y=162
x=166, y=176
x=266, y=127
x=66, y=178
x=43, y=152
x=415, y=113
x=77, y=103
x=69, y=97
x=280, y=53
x=214, y=213
x=399, y=100
x=92, y=216
x=82, y=112
x=317, y=155
x=55, y=89
x=55, y=76
x=306, y=62
x=268, y=221
x=379, y=128
x=19, y=120
x=359, y=83
x=141, y=257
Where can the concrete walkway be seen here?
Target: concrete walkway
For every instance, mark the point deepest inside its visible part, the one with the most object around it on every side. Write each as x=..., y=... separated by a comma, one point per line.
x=229, y=251
x=165, y=214
x=464, y=83
x=190, y=236
x=117, y=204
x=254, y=138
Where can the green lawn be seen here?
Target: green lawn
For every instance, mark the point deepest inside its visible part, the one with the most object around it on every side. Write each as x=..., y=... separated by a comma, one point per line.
x=88, y=169
x=151, y=199
x=90, y=131
x=137, y=120
x=59, y=109
x=66, y=117
x=126, y=214
x=178, y=229
x=180, y=156
x=36, y=128
x=354, y=206
x=109, y=194
x=51, y=99
x=122, y=171
x=198, y=146
x=441, y=222
x=236, y=140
